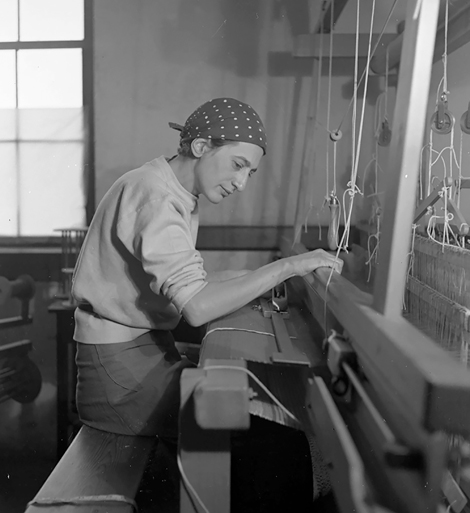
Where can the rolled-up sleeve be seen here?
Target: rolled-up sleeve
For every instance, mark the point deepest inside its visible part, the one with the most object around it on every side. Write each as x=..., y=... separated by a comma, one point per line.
x=159, y=235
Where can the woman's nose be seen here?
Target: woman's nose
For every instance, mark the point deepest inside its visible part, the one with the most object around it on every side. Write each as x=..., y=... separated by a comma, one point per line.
x=240, y=182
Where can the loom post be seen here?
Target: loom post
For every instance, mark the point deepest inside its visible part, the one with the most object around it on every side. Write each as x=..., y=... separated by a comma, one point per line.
x=409, y=119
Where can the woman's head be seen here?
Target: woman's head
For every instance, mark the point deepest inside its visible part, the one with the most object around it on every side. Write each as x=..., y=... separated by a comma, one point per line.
x=224, y=140
x=221, y=120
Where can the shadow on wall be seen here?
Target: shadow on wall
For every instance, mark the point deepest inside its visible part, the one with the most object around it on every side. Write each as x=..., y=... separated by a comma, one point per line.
x=224, y=33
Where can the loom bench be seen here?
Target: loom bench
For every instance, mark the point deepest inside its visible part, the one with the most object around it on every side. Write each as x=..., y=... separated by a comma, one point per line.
x=96, y=464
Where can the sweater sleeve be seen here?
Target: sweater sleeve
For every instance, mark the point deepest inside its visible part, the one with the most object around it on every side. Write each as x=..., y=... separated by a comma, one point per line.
x=159, y=235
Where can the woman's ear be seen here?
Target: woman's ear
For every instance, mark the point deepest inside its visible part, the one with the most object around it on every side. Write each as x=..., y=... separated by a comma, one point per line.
x=200, y=146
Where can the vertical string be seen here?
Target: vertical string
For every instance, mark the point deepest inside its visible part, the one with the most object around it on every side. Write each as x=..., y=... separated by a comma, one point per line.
x=386, y=83
x=328, y=113
x=444, y=57
x=459, y=184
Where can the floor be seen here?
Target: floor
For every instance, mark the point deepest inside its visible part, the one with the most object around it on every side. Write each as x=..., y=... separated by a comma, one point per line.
x=28, y=431
x=27, y=448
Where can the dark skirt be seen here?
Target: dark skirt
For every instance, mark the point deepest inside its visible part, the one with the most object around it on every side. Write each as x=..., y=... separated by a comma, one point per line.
x=131, y=388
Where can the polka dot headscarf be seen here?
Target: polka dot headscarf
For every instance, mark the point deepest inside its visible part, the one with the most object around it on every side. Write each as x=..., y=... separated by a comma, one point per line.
x=224, y=118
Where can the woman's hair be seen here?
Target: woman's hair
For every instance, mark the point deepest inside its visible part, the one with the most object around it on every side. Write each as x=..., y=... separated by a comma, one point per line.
x=185, y=146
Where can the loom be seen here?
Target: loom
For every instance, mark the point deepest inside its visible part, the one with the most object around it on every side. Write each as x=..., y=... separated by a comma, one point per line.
x=20, y=378
x=390, y=409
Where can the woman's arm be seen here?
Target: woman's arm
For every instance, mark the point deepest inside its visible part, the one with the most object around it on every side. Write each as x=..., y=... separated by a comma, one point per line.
x=220, y=298
x=225, y=275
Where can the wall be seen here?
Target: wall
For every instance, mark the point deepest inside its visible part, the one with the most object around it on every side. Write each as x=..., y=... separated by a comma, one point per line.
x=157, y=61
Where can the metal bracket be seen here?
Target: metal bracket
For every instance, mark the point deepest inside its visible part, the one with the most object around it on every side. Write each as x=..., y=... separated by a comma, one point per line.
x=277, y=311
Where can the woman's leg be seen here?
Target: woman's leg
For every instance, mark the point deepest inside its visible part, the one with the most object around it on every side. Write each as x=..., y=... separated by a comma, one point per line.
x=132, y=387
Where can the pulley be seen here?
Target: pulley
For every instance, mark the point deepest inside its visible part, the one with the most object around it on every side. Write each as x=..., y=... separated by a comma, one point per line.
x=385, y=134
x=442, y=121
x=465, y=121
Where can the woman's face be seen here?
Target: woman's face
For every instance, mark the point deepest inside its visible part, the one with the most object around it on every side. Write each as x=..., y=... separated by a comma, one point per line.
x=221, y=171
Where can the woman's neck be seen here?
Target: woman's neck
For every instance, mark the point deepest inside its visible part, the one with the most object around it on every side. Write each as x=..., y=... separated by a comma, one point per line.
x=184, y=172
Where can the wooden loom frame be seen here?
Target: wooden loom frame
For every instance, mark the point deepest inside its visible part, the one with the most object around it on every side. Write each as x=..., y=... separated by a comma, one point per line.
x=406, y=389
x=422, y=390
x=375, y=324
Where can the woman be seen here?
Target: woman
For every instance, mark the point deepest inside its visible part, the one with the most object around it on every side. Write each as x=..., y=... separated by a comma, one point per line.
x=139, y=272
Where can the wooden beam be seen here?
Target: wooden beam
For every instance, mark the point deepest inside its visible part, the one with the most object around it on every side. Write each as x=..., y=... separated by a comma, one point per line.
x=253, y=238
x=413, y=377
x=328, y=22
x=458, y=34
x=344, y=45
x=405, y=149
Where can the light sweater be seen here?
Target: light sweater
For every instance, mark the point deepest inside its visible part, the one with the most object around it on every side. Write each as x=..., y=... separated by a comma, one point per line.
x=138, y=265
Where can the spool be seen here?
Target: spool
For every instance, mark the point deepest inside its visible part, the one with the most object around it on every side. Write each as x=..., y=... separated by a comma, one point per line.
x=336, y=135
x=334, y=224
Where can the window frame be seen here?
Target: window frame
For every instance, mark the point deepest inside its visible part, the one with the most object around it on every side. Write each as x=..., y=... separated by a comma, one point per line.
x=86, y=45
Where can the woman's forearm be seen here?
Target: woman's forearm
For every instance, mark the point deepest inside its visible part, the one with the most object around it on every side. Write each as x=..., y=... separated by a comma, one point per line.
x=225, y=275
x=223, y=297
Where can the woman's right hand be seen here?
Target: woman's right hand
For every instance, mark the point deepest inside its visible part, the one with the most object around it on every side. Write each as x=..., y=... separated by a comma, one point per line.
x=308, y=262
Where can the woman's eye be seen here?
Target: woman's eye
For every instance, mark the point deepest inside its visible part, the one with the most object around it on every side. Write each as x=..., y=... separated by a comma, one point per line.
x=238, y=165
x=251, y=173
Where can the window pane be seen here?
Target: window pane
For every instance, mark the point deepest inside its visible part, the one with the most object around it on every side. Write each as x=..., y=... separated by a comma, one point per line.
x=8, y=190
x=7, y=125
x=8, y=79
x=51, y=188
x=51, y=20
x=50, y=78
x=50, y=124
x=8, y=20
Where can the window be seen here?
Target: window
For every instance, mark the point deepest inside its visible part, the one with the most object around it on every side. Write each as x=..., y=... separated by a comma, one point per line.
x=45, y=98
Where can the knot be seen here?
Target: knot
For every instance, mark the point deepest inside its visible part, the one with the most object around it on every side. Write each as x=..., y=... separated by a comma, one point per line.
x=352, y=190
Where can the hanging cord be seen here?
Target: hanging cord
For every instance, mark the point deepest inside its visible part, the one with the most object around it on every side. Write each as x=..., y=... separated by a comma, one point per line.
x=353, y=189
x=365, y=72
x=374, y=253
x=452, y=159
x=428, y=192
x=444, y=57
x=328, y=112
x=459, y=180
x=386, y=83
x=328, y=109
